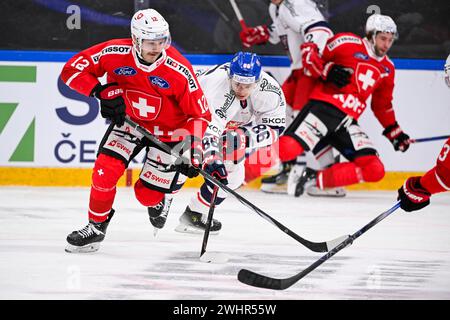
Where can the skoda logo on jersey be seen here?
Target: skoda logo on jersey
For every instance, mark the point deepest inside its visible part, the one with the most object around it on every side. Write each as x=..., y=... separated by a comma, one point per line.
x=125, y=71
x=160, y=82
x=361, y=56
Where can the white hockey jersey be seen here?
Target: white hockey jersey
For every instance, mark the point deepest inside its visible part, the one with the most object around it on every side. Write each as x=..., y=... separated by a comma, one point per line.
x=266, y=106
x=290, y=21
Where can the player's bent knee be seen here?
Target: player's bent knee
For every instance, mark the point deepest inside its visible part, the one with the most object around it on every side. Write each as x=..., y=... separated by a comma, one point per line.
x=372, y=168
x=107, y=171
x=289, y=148
x=146, y=196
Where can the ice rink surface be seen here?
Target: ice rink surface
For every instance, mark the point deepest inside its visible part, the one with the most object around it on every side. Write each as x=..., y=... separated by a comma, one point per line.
x=406, y=256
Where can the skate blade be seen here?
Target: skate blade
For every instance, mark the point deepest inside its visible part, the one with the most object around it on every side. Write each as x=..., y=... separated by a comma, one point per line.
x=214, y=257
x=274, y=188
x=183, y=228
x=328, y=193
x=92, y=247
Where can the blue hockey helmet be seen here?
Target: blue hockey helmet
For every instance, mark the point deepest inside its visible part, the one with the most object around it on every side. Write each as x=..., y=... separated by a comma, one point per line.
x=245, y=67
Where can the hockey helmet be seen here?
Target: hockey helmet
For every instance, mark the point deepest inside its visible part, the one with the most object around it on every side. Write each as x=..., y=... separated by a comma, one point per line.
x=245, y=67
x=381, y=23
x=149, y=24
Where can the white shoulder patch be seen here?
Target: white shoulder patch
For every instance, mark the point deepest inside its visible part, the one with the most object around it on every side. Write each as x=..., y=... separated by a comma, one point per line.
x=113, y=49
x=184, y=71
x=342, y=40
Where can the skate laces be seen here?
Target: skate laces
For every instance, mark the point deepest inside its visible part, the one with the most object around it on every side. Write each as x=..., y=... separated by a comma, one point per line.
x=89, y=230
x=166, y=208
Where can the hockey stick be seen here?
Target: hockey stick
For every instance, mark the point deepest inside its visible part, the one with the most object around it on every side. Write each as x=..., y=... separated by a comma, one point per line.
x=314, y=246
x=238, y=14
x=429, y=139
x=257, y=280
x=210, y=256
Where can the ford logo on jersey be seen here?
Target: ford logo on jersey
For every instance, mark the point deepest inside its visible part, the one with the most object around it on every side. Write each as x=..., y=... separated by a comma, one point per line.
x=160, y=82
x=362, y=56
x=125, y=71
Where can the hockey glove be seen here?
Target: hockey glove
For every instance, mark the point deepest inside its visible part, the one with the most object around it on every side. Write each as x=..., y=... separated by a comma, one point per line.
x=254, y=36
x=212, y=158
x=112, y=105
x=215, y=167
x=412, y=195
x=195, y=150
x=235, y=142
x=397, y=137
x=311, y=61
x=336, y=74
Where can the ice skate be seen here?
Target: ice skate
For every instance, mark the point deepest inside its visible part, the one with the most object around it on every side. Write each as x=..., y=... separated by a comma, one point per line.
x=314, y=191
x=195, y=222
x=158, y=214
x=278, y=182
x=88, y=239
x=301, y=182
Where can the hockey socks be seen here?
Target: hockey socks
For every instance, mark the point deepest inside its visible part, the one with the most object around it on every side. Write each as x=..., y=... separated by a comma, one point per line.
x=106, y=173
x=362, y=169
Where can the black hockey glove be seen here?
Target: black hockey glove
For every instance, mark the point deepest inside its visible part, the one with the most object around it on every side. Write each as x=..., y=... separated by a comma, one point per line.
x=112, y=105
x=337, y=74
x=412, y=195
x=397, y=137
x=215, y=167
x=194, y=145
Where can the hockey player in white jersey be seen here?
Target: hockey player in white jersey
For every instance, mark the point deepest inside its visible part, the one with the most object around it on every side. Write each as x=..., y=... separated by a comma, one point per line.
x=294, y=23
x=248, y=112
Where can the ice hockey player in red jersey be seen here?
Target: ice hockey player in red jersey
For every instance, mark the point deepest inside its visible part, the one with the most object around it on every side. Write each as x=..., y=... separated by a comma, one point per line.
x=152, y=83
x=351, y=69
x=416, y=191
x=294, y=22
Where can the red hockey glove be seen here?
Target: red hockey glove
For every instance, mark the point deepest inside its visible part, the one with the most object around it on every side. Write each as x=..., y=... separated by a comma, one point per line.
x=412, y=195
x=235, y=142
x=397, y=137
x=112, y=105
x=311, y=61
x=253, y=36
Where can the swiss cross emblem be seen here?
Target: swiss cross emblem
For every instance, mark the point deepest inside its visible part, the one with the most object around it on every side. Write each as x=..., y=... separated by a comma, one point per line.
x=366, y=76
x=144, y=106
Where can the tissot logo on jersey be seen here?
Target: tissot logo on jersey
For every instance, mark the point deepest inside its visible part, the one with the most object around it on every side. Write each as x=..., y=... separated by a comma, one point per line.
x=184, y=71
x=341, y=40
x=111, y=50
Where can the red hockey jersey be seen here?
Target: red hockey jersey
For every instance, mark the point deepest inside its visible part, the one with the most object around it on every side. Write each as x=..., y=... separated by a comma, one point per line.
x=438, y=179
x=372, y=75
x=161, y=97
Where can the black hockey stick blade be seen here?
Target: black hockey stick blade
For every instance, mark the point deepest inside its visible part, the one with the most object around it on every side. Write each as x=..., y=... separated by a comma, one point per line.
x=258, y=280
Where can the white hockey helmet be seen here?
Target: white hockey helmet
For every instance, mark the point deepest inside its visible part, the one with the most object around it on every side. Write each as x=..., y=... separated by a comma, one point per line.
x=447, y=71
x=149, y=24
x=381, y=23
